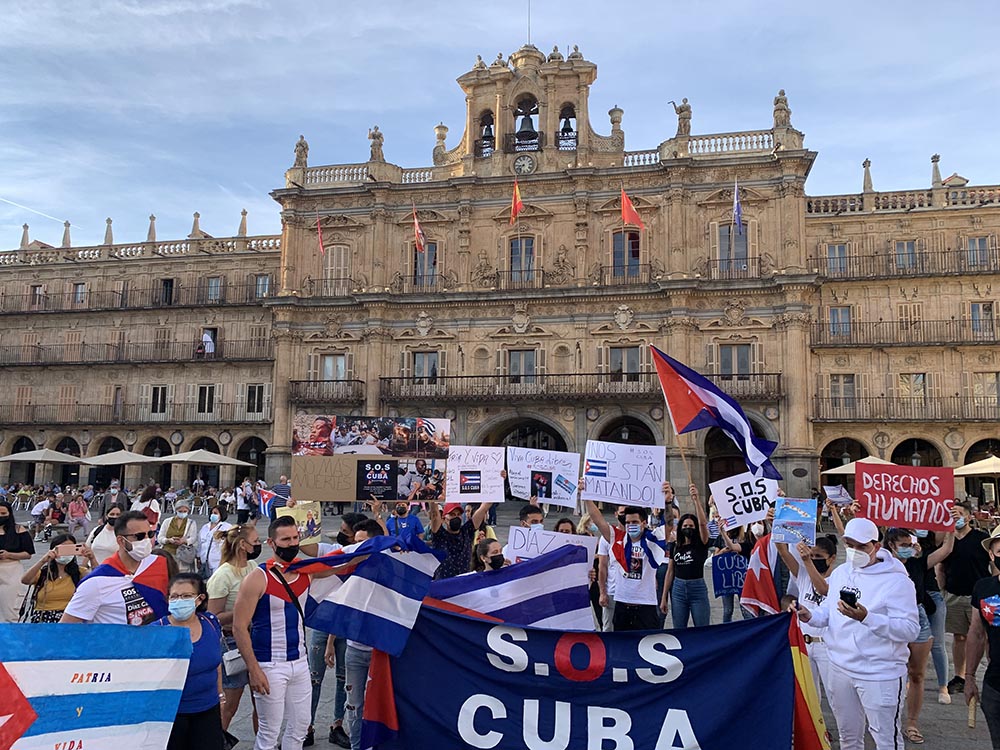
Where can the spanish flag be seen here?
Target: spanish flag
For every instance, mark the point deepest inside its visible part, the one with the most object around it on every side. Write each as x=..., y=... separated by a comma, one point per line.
x=516, y=206
x=629, y=214
x=808, y=726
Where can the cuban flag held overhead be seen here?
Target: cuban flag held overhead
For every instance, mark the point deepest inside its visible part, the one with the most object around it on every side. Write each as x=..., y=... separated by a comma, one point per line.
x=694, y=403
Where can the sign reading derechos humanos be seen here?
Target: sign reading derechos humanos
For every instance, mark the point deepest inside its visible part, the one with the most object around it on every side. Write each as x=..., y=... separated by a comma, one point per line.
x=913, y=497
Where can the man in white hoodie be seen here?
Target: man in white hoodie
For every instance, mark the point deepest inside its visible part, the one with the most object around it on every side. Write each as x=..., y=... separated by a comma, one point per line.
x=870, y=616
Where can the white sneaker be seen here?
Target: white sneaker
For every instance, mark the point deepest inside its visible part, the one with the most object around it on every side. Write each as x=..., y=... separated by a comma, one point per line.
x=944, y=698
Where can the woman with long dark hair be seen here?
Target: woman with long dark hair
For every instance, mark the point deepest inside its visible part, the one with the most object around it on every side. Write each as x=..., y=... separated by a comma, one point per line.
x=15, y=545
x=55, y=577
x=686, y=578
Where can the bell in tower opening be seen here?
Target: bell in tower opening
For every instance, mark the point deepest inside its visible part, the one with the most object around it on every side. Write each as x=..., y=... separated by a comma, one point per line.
x=526, y=137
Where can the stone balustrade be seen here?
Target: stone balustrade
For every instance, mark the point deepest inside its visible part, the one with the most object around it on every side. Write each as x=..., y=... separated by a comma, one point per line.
x=263, y=243
x=420, y=174
x=336, y=174
x=747, y=141
x=902, y=200
x=641, y=158
x=973, y=196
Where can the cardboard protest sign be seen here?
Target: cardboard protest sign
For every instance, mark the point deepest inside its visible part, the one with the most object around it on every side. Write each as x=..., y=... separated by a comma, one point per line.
x=325, y=478
x=377, y=479
x=525, y=544
x=728, y=572
x=308, y=517
x=913, y=497
x=624, y=474
x=474, y=474
x=744, y=498
x=550, y=476
x=838, y=494
x=794, y=521
x=344, y=478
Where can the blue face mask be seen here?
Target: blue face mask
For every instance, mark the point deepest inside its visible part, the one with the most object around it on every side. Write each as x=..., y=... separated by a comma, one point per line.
x=634, y=530
x=537, y=527
x=960, y=523
x=905, y=553
x=593, y=529
x=182, y=609
x=921, y=533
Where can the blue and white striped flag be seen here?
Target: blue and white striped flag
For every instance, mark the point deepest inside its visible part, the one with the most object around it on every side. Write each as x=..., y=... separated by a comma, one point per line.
x=737, y=208
x=549, y=591
x=376, y=602
x=60, y=689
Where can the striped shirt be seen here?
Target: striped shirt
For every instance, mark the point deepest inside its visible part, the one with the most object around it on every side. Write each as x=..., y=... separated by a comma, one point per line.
x=276, y=630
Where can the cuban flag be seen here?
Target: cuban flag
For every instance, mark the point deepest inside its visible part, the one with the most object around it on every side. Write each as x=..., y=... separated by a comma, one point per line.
x=377, y=601
x=760, y=594
x=594, y=467
x=549, y=591
x=266, y=500
x=737, y=208
x=56, y=691
x=695, y=403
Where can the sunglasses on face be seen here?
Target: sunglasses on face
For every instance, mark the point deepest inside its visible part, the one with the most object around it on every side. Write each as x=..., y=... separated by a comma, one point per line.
x=140, y=536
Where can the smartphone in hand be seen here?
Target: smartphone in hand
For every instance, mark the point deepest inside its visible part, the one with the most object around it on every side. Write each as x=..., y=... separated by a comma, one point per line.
x=67, y=548
x=848, y=597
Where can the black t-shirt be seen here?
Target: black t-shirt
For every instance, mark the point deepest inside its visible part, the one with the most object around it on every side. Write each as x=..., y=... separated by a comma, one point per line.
x=19, y=541
x=929, y=548
x=967, y=563
x=689, y=560
x=986, y=599
x=916, y=568
x=458, y=547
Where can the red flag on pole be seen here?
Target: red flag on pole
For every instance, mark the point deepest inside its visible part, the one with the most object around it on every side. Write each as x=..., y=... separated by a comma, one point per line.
x=516, y=206
x=629, y=214
x=419, y=238
x=319, y=231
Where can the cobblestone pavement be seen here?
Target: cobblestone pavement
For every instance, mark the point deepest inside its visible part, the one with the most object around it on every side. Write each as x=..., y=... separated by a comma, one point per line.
x=943, y=727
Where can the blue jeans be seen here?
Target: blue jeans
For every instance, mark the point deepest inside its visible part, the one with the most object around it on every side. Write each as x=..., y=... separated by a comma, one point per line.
x=728, y=608
x=317, y=671
x=356, y=664
x=689, y=598
x=938, y=652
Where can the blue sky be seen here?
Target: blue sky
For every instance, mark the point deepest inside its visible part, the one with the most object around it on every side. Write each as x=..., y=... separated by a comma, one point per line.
x=124, y=108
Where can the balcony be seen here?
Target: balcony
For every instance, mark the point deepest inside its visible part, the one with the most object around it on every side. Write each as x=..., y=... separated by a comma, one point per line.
x=566, y=140
x=94, y=414
x=642, y=386
x=637, y=274
x=327, y=391
x=514, y=145
x=902, y=265
x=733, y=269
x=484, y=147
x=513, y=280
x=899, y=409
x=91, y=354
x=896, y=333
x=143, y=298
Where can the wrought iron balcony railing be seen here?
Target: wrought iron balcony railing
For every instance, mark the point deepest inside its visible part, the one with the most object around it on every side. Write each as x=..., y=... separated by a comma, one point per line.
x=132, y=413
x=896, y=333
x=126, y=353
x=906, y=409
x=137, y=298
x=327, y=391
x=894, y=264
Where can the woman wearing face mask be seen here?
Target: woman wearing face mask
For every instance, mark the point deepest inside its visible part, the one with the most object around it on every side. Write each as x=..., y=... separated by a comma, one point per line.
x=737, y=542
x=489, y=556
x=688, y=591
x=905, y=547
x=811, y=568
x=198, y=724
x=180, y=533
x=240, y=546
x=55, y=577
x=586, y=527
x=15, y=545
x=210, y=538
x=937, y=612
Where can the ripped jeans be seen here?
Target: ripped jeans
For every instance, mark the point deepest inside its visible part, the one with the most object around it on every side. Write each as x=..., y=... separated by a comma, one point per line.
x=356, y=664
x=317, y=671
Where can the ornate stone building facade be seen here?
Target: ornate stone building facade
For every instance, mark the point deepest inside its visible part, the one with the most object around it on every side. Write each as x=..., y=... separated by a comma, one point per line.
x=845, y=325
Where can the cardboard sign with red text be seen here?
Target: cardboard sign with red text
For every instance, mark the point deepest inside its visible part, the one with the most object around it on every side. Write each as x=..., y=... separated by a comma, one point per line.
x=910, y=497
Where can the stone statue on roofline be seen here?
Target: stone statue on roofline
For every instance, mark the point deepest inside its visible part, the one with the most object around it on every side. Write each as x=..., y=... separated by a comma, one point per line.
x=377, y=139
x=782, y=114
x=683, y=111
x=301, y=152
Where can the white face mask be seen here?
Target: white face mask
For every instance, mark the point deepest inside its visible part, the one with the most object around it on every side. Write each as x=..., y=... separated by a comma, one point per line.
x=141, y=550
x=757, y=529
x=65, y=559
x=857, y=558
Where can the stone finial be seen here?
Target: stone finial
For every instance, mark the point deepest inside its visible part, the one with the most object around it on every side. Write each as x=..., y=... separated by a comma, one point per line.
x=441, y=131
x=25, y=240
x=480, y=65
x=867, y=185
x=576, y=54
x=935, y=171
x=615, y=113
x=242, y=231
x=151, y=234
x=555, y=55
x=109, y=237
x=65, y=240
x=195, y=226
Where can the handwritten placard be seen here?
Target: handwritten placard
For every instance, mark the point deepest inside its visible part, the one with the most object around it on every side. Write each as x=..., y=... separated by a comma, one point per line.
x=744, y=498
x=913, y=497
x=794, y=521
x=325, y=478
x=474, y=474
x=728, y=572
x=525, y=544
x=624, y=474
x=550, y=476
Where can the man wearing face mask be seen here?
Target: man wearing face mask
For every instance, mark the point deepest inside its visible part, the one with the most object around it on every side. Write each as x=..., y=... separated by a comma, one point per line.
x=530, y=517
x=129, y=588
x=608, y=573
x=870, y=615
x=454, y=537
x=404, y=523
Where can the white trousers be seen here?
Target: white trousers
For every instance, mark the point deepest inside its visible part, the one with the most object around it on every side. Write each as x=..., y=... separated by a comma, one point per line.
x=820, y=663
x=290, y=700
x=880, y=702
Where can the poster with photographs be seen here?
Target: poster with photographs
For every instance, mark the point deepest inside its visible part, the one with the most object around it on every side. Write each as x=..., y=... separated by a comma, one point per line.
x=308, y=518
x=399, y=437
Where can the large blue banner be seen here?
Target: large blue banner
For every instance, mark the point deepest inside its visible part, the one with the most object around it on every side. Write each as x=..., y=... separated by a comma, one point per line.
x=463, y=682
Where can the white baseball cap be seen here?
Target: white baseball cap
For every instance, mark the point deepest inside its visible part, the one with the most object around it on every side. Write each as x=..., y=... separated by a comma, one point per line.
x=861, y=530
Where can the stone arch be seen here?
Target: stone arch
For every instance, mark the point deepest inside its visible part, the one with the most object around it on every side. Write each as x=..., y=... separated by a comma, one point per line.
x=762, y=427
x=607, y=421
x=19, y=470
x=492, y=430
x=833, y=453
x=93, y=447
x=201, y=441
x=930, y=451
x=982, y=487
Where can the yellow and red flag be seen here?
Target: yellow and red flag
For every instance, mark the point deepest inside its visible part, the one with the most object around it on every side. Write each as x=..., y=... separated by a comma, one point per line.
x=808, y=726
x=629, y=214
x=419, y=238
x=319, y=231
x=516, y=206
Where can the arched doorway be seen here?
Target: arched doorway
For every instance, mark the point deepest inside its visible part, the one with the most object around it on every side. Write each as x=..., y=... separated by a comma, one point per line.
x=840, y=452
x=209, y=473
x=627, y=430
x=984, y=487
x=22, y=472
x=101, y=476
x=69, y=474
x=723, y=456
x=252, y=451
x=916, y=452
x=157, y=448
x=527, y=433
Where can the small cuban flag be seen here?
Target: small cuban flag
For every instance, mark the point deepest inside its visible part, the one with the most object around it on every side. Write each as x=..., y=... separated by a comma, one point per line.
x=595, y=468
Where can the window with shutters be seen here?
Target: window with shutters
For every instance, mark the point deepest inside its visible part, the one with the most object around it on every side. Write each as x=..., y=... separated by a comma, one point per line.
x=625, y=254
x=22, y=395
x=122, y=290
x=733, y=247
x=213, y=289
x=735, y=360
x=906, y=254
x=206, y=399
x=425, y=266
x=986, y=388
x=255, y=398
x=425, y=368
x=36, y=296
x=981, y=317
x=258, y=333
x=978, y=251
x=333, y=367
x=840, y=321
x=261, y=285
x=158, y=399
x=625, y=363
x=843, y=390
x=166, y=292
x=522, y=259
x=912, y=385
x=521, y=365
x=79, y=296
x=836, y=259
x=909, y=317
x=337, y=271
x=30, y=350
x=73, y=346
x=162, y=338
x=67, y=403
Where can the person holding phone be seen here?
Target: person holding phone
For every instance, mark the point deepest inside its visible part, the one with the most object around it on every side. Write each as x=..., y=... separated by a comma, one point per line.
x=55, y=577
x=871, y=615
